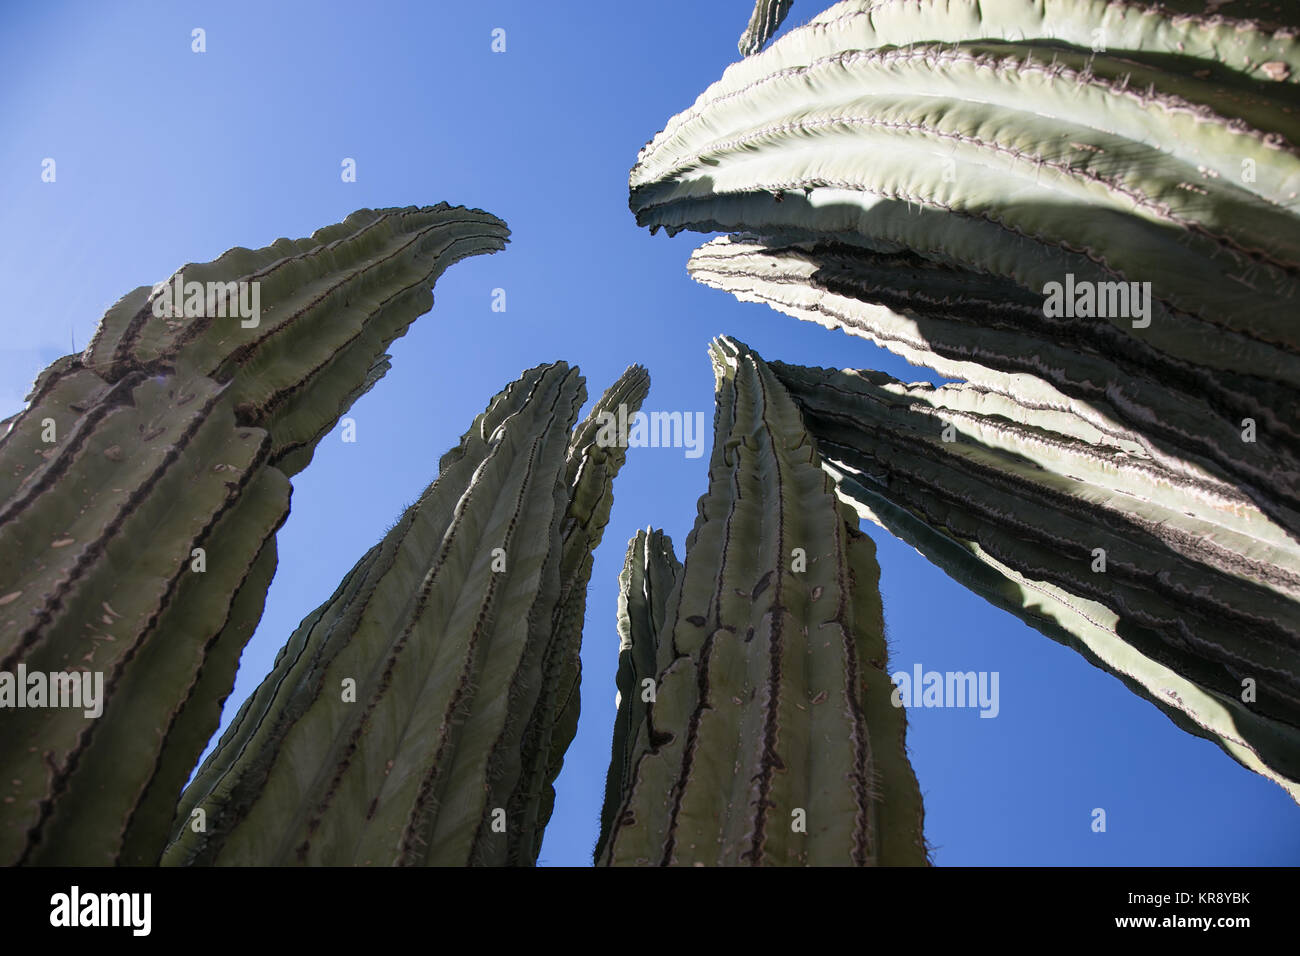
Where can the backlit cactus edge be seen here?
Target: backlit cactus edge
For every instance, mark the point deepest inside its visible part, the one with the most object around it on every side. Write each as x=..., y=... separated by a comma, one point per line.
x=918, y=173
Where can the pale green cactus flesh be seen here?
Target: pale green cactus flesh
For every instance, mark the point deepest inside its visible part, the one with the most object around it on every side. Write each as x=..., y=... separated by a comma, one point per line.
x=856, y=113
x=768, y=735
x=1179, y=586
x=420, y=715
x=140, y=492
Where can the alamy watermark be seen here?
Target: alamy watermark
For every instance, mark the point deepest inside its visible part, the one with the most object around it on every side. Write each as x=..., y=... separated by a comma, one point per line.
x=922, y=688
x=76, y=908
x=175, y=298
x=1099, y=300
x=84, y=689
x=652, y=430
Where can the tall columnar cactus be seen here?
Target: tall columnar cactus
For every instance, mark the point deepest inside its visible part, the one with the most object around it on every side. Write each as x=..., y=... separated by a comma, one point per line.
x=589, y=475
x=947, y=167
x=1177, y=585
x=763, y=24
x=140, y=492
x=768, y=735
x=650, y=572
x=419, y=716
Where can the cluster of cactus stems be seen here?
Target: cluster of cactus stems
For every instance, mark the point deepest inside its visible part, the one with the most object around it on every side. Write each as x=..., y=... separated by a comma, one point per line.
x=932, y=168
x=1182, y=588
x=142, y=487
x=417, y=716
x=1120, y=469
x=939, y=177
x=755, y=722
x=1191, y=418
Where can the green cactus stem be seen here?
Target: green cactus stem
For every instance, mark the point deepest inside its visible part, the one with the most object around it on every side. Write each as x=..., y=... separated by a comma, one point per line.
x=763, y=24
x=1186, y=414
x=650, y=572
x=419, y=716
x=140, y=492
x=926, y=173
x=771, y=738
x=1178, y=586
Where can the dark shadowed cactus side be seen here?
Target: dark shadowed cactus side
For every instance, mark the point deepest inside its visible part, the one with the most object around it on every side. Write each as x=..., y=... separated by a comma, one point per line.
x=1178, y=586
x=420, y=715
x=649, y=573
x=771, y=738
x=140, y=492
x=592, y=464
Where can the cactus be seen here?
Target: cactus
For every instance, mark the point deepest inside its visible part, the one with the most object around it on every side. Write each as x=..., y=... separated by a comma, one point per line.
x=920, y=172
x=590, y=470
x=1177, y=585
x=162, y=451
x=763, y=24
x=772, y=738
x=649, y=574
x=1186, y=416
x=460, y=632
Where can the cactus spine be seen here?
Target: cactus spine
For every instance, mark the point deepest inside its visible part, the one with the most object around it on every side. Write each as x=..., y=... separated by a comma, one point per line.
x=772, y=738
x=142, y=487
x=458, y=635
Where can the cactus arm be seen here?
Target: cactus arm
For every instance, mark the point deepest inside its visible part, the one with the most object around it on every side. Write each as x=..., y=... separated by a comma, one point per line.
x=944, y=165
x=1150, y=217
x=432, y=637
x=1264, y=746
x=759, y=712
x=649, y=574
x=763, y=24
x=465, y=675
x=1192, y=599
x=1232, y=46
x=1183, y=413
x=590, y=469
x=171, y=434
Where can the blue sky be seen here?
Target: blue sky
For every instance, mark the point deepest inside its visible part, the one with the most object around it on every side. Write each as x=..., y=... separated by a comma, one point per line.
x=165, y=156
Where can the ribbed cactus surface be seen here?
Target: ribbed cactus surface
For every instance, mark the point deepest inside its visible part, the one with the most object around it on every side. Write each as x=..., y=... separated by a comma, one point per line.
x=650, y=572
x=140, y=491
x=1177, y=585
x=420, y=715
x=767, y=735
x=763, y=24
x=924, y=172
x=590, y=470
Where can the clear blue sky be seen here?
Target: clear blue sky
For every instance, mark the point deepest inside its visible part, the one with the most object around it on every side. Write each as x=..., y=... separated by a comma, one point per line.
x=165, y=156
